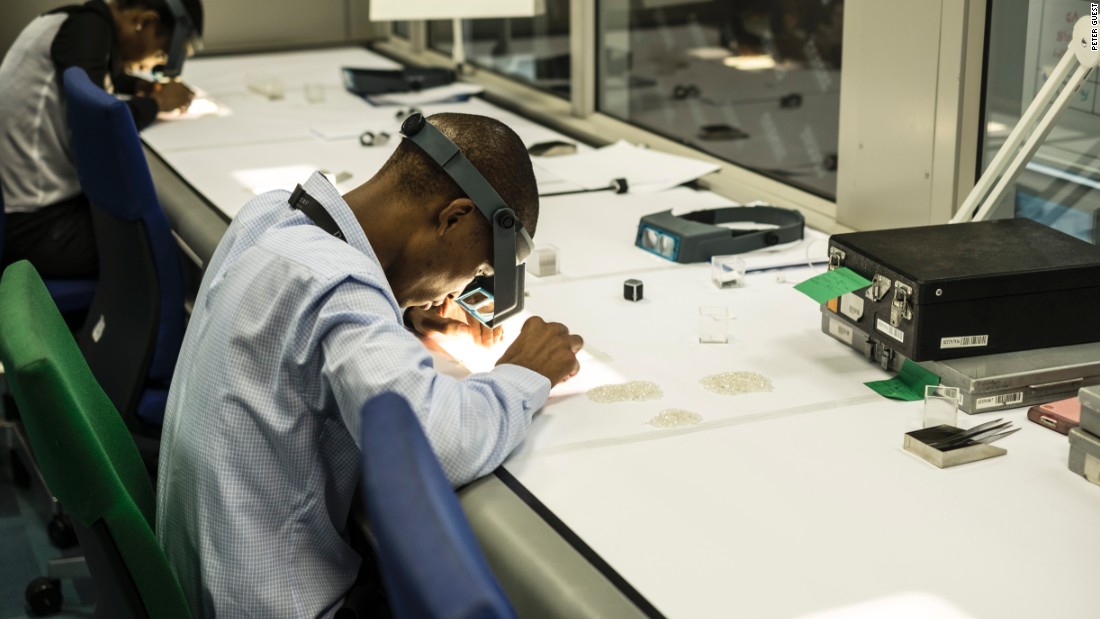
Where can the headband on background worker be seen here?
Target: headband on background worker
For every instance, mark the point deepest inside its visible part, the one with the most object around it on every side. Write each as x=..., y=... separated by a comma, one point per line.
x=299, y=321
x=48, y=218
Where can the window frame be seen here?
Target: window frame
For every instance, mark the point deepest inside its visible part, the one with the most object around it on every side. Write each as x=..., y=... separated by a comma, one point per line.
x=955, y=59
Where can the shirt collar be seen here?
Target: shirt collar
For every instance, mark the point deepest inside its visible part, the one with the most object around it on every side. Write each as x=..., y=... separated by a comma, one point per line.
x=322, y=190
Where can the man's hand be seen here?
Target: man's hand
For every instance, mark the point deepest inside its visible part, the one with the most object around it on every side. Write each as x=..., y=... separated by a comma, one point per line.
x=171, y=96
x=547, y=348
x=451, y=319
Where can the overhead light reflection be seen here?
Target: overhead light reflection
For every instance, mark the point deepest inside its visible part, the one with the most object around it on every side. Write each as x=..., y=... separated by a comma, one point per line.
x=205, y=106
x=709, y=53
x=200, y=106
x=476, y=358
x=762, y=62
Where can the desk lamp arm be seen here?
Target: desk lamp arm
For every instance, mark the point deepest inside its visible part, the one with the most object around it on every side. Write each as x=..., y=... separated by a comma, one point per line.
x=1083, y=54
x=458, y=46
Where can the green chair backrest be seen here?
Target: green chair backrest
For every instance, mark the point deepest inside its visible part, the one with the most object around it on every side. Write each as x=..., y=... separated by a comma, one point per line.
x=83, y=447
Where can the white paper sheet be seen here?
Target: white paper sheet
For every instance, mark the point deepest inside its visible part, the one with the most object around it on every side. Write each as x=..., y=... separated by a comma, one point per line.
x=813, y=249
x=461, y=349
x=428, y=95
x=647, y=171
x=349, y=131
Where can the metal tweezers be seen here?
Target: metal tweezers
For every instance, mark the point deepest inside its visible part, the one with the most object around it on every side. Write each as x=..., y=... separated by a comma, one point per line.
x=985, y=433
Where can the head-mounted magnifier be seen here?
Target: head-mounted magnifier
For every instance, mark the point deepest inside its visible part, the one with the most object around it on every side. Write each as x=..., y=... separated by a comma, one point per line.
x=696, y=236
x=489, y=299
x=185, y=34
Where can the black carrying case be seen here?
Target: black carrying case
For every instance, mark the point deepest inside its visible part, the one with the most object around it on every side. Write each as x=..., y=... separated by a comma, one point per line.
x=978, y=288
x=365, y=82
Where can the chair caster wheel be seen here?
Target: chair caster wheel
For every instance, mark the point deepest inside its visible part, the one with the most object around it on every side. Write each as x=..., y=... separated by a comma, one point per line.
x=61, y=531
x=43, y=596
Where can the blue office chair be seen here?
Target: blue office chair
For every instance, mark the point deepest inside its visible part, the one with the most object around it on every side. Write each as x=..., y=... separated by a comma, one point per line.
x=72, y=296
x=135, y=325
x=431, y=564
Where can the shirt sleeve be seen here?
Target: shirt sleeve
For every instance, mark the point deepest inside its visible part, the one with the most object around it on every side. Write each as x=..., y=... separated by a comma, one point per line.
x=472, y=423
x=127, y=84
x=84, y=40
x=144, y=110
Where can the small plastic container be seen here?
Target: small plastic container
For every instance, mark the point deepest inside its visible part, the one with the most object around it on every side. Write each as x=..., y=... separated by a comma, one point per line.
x=265, y=85
x=315, y=92
x=543, y=261
x=713, y=325
x=941, y=406
x=727, y=271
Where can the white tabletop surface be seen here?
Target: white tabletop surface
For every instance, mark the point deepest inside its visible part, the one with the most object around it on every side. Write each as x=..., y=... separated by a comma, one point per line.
x=254, y=143
x=797, y=500
x=779, y=504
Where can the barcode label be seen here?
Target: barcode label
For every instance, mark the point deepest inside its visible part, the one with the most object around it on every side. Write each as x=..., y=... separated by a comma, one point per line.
x=964, y=341
x=885, y=327
x=840, y=331
x=1007, y=399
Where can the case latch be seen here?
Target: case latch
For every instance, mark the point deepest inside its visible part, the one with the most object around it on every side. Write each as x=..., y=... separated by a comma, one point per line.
x=880, y=285
x=886, y=355
x=900, y=307
x=836, y=258
x=879, y=353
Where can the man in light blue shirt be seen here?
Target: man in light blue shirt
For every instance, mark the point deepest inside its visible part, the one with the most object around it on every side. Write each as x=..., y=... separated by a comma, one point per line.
x=292, y=331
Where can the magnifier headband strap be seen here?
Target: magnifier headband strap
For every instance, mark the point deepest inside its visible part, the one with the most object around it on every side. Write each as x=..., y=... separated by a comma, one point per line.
x=448, y=156
x=180, y=14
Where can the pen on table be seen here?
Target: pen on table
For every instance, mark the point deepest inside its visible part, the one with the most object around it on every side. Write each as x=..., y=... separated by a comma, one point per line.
x=617, y=185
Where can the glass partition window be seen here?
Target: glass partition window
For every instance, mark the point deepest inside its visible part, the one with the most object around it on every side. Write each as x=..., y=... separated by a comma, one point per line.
x=1059, y=187
x=534, y=50
x=754, y=82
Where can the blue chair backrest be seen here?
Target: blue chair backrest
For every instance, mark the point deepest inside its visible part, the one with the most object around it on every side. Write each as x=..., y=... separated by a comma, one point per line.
x=431, y=564
x=114, y=175
x=70, y=295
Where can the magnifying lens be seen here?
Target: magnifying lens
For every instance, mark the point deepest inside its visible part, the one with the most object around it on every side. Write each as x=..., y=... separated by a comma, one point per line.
x=698, y=235
x=491, y=300
x=478, y=302
x=186, y=37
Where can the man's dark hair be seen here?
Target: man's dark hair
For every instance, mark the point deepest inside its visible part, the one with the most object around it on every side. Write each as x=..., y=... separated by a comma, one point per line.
x=494, y=149
x=193, y=8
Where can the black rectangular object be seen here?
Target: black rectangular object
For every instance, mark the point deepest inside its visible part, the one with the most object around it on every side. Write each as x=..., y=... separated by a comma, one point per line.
x=991, y=382
x=975, y=288
x=380, y=81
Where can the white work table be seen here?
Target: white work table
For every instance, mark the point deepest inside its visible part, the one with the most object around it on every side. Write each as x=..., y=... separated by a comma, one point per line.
x=798, y=500
x=255, y=143
x=789, y=503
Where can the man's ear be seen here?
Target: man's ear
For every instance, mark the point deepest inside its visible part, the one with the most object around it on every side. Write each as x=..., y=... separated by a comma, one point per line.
x=453, y=213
